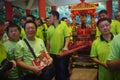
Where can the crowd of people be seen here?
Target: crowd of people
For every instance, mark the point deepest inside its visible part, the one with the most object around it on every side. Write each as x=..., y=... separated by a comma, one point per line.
x=16, y=52
x=52, y=37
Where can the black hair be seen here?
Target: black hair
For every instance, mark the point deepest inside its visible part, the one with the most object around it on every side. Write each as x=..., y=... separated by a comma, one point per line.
x=11, y=25
x=24, y=18
x=63, y=18
x=30, y=22
x=103, y=19
x=33, y=17
x=41, y=21
x=55, y=13
x=103, y=11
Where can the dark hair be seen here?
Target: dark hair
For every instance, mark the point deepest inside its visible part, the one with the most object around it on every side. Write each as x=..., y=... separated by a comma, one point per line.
x=55, y=13
x=103, y=19
x=41, y=21
x=63, y=18
x=103, y=11
x=30, y=22
x=11, y=25
x=23, y=18
x=33, y=17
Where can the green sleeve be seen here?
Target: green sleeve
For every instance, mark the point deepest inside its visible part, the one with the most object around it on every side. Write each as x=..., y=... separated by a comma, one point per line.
x=3, y=54
x=93, y=52
x=115, y=49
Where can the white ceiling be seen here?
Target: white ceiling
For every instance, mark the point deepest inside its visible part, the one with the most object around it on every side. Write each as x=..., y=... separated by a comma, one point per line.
x=68, y=2
x=30, y=4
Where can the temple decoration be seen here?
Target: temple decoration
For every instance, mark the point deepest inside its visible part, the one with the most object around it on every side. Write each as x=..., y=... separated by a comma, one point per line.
x=83, y=8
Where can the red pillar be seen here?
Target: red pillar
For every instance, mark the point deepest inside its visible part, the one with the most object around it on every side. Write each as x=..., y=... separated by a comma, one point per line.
x=8, y=10
x=109, y=8
x=118, y=5
x=42, y=8
x=54, y=8
x=28, y=11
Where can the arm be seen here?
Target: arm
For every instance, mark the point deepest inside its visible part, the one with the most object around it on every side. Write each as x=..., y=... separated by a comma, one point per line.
x=28, y=67
x=113, y=64
x=99, y=62
x=66, y=43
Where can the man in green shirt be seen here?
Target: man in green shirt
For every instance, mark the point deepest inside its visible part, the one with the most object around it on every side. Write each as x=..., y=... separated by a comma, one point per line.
x=13, y=33
x=114, y=57
x=101, y=49
x=57, y=42
x=24, y=56
x=115, y=25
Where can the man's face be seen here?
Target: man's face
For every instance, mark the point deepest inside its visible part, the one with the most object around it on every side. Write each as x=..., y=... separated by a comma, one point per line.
x=14, y=33
x=48, y=22
x=22, y=22
x=2, y=29
x=104, y=27
x=52, y=17
x=30, y=30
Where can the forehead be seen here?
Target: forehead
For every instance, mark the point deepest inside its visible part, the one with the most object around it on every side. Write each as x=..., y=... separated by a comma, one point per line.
x=103, y=22
x=30, y=25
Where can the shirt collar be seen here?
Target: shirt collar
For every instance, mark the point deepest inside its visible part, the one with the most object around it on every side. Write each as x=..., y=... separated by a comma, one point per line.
x=57, y=24
x=102, y=39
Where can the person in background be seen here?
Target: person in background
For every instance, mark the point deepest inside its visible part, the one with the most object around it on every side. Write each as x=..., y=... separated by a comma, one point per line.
x=3, y=54
x=115, y=25
x=41, y=30
x=30, y=18
x=24, y=56
x=70, y=27
x=57, y=42
x=13, y=33
x=22, y=21
x=6, y=23
x=101, y=48
x=118, y=16
x=47, y=20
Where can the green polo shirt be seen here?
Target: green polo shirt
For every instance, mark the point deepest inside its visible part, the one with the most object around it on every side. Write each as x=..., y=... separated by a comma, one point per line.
x=23, y=52
x=3, y=54
x=101, y=49
x=115, y=48
x=23, y=35
x=115, y=28
x=39, y=33
x=42, y=32
x=10, y=49
x=56, y=35
x=115, y=53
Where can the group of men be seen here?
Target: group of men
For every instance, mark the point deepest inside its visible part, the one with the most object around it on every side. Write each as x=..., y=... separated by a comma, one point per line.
x=16, y=49
x=105, y=49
